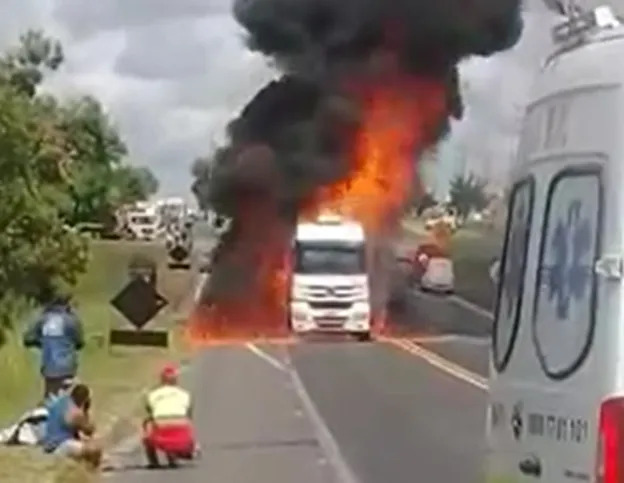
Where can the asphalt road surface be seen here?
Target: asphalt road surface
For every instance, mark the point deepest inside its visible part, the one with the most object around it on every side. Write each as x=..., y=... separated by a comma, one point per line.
x=387, y=411
x=399, y=410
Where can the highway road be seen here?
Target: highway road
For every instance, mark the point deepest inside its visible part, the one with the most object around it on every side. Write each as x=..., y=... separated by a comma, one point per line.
x=388, y=411
x=396, y=410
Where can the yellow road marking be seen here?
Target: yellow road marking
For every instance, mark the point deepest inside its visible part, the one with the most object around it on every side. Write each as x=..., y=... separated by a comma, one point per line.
x=441, y=363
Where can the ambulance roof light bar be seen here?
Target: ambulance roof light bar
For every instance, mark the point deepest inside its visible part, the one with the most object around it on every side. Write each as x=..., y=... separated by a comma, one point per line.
x=573, y=31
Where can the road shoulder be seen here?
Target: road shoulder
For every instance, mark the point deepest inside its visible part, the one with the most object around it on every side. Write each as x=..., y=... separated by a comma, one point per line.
x=251, y=424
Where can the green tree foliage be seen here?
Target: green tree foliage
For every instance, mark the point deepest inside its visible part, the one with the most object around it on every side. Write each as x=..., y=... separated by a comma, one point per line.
x=61, y=163
x=100, y=180
x=37, y=251
x=423, y=202
x=24, y=66
x=468, y=194
x=133, y=183
x=98, y=150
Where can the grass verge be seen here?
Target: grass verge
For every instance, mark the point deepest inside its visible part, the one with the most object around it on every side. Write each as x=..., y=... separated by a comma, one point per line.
x=117, y=375
x=474, y=249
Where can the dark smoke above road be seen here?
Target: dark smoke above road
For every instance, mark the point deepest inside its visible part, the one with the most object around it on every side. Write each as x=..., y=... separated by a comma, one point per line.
x=296, y=134
x=317, y=36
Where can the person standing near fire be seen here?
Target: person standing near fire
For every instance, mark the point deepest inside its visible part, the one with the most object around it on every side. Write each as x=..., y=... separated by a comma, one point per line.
x=58, y=333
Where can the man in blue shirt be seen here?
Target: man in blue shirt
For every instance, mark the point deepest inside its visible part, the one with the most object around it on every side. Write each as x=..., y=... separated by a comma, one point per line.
x=69, y=429
x=59, y=335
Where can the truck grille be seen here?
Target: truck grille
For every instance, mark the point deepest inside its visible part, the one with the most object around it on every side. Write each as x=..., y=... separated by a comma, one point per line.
x=336, y=305
x=339, y=292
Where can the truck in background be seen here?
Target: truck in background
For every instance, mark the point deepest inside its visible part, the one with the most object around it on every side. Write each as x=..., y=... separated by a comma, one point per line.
x=142, y=222
x=329, y=282
x=172, y=210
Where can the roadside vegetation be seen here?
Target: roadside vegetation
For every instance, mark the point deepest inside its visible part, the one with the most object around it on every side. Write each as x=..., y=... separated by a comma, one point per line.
x=475, y=243
x=117, y=375
x=474, y=248
x=64, y=165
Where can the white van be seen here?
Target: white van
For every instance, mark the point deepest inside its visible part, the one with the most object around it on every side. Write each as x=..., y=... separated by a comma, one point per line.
x=556, y=404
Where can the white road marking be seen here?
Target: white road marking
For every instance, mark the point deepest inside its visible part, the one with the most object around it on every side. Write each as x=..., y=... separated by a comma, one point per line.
x=328, y=444
x=451, y=338
x=443, y=364
x=201, y=281
x=472, y=306
x=456, y=299
x=266, y=357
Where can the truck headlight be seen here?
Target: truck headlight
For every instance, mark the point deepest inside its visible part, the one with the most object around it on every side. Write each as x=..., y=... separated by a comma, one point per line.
x=361, y=312
x=299, y=311
x=300, y=318
x=297, y=293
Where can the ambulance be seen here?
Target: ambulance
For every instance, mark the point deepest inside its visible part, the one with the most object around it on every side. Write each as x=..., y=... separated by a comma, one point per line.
x=556, y=387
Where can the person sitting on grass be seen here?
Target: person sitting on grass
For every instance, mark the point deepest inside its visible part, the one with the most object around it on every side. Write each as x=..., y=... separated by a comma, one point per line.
x=168, y=426
x=69, y=429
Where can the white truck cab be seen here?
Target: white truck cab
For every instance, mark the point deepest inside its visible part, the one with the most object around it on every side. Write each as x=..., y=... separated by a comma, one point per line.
x=329, y=281
x=556, y=388
x=143, y=224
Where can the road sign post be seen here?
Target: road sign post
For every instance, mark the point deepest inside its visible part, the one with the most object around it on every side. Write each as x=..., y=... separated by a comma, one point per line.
x=139, y=302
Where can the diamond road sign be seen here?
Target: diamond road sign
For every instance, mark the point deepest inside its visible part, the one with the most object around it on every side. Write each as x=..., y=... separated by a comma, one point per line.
x=139, y=302
x=179, y=253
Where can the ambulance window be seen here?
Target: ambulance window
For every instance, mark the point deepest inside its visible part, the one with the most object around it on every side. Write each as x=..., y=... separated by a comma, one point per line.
x=512, y=271
x=565, y=296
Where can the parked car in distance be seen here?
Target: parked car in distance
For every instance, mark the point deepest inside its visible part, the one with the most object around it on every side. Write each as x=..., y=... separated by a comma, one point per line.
x=439, y=276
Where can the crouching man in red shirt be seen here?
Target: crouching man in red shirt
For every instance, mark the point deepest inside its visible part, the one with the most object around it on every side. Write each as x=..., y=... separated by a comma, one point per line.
x=168, y=427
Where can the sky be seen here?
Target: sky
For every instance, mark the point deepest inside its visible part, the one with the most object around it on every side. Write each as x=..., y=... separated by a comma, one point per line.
x=173, y=73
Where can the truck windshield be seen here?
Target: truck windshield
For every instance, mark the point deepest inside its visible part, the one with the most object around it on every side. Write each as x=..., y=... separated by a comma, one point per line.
x=143, y=220
x=340, y=259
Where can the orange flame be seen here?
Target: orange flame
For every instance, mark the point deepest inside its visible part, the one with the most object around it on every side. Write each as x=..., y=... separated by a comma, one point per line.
x=257, y=313
x=399, y=120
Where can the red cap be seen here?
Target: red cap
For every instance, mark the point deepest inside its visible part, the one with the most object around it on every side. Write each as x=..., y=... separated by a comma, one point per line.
x=169, y=372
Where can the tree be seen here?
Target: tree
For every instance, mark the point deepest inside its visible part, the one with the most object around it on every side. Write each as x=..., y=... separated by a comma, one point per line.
x=468, y=194
x=133, y=184
x=97, y=149
x=100, y=179
x=61, y=163
x=37, y=251
x=424, y=202
x=24, y=66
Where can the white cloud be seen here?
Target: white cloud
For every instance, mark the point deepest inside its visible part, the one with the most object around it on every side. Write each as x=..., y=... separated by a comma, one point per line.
x=496, y=91
x=173, y=73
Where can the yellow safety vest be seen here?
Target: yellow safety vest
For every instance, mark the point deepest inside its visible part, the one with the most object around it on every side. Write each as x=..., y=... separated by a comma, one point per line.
x=169, y=402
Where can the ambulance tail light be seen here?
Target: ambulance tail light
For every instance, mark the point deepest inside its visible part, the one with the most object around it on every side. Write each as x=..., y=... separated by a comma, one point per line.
x=610, y=456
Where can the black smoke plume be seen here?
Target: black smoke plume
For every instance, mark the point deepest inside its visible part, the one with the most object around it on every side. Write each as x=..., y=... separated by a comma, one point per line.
x=293, y=135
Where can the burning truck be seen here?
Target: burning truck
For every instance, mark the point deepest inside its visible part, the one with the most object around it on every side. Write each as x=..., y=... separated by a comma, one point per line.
x=366, y=87
x=330, y=279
